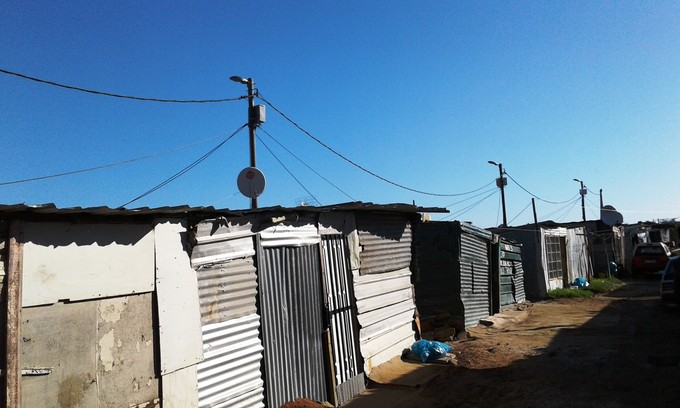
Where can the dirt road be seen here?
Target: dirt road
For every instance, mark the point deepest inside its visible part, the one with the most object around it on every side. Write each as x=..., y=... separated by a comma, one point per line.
x=621, y=349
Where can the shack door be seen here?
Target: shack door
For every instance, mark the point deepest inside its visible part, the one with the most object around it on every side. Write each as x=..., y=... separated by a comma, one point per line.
x=347, y=368
x=292, y=323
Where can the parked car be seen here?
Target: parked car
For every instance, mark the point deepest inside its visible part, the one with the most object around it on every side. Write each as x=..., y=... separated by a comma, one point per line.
x=667, y=280
x=650, y=258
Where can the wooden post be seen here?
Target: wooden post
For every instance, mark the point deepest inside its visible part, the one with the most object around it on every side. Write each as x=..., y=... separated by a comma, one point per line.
x=14, y=272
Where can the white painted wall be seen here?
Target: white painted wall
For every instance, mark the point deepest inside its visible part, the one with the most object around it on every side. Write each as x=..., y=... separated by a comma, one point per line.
x=64, y=261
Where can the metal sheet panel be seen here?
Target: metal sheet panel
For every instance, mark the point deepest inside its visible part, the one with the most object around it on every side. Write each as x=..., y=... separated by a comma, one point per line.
x=227, y=290
x=291, y=303
x=230, y=373
x=385, y=306
x=220, y=240
x=474, y=275
x=437, y=274
x=512, y=274
x=86, y=261
x=299, y=232
x=343, y=325
x=385, y=241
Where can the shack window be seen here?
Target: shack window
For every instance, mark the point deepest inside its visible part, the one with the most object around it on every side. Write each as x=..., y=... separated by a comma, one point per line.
x=553, y=257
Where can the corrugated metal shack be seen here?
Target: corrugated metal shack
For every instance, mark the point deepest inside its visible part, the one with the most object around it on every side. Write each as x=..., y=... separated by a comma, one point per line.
x=200, y=307
x=511, y=273
x=456, y=279
x=553, y=257
x=328, y=288
x=100, y=306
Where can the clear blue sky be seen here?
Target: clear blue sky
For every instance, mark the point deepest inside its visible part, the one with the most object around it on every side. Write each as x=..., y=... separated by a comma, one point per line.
x=420, y=93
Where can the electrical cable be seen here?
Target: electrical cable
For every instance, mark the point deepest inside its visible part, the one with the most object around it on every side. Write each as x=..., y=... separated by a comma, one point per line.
x=520, y=213
x=498, y=210
x=534, y=195
x=473, y=196
x=469, y=207
x=289, y=172
x=306, y=165
x=550, y=214
x=104, y=166
x=259, y=96
x=594, y=206
x=184, y=170
x=567, y=211
x=137, y=98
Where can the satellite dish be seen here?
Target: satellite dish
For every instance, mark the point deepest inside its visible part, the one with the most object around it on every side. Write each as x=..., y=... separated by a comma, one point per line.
x=251, y=182
x=610, y=216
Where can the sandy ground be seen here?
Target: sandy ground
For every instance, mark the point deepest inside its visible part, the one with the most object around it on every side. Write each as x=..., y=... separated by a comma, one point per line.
x=621, y=349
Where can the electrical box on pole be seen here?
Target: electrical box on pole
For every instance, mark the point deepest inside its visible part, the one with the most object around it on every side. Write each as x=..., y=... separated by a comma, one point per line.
x=256, y=115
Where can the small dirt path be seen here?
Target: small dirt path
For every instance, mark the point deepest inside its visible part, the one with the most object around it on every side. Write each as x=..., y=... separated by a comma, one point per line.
x=621, y=349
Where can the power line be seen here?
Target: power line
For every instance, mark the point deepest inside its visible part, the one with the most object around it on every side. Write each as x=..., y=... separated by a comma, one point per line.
x=184, y=170
x=352, y=162
x=534, y=195
x=473, y=196
x=306, y=165
x=568, y=206
x=286, y=168
x=469, y=207
x=115, y=95
x=104, y=166
x=520, y=213
x=564, y=214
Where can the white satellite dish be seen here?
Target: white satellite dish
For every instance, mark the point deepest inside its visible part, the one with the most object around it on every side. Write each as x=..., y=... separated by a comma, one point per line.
x=610, y=216
x=251, y=182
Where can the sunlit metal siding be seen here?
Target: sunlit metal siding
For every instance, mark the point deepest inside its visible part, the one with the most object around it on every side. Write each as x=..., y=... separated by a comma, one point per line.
x=299, y=231
x=230, y=373
x=385, y=306
x=218, y=241
x=385, y=240
x=291, y=304
x=227, y=280
x=474, y=275
x=227, y=290
x=344, y=328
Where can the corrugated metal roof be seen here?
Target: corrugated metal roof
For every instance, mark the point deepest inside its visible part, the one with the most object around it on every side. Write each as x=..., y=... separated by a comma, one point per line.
x=50, y=210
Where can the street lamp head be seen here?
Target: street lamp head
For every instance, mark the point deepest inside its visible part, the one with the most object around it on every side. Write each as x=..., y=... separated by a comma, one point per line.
x=577, y=180
x=492, y=162
x=238, y=79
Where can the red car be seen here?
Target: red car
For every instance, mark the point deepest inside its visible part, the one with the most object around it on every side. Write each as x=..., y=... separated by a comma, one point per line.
x=650, y=258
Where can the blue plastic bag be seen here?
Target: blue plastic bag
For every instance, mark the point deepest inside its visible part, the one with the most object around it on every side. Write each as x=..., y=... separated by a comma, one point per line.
x=580, y=283
x=428, y=350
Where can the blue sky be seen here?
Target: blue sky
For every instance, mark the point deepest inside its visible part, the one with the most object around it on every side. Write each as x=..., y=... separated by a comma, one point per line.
x=420, y=93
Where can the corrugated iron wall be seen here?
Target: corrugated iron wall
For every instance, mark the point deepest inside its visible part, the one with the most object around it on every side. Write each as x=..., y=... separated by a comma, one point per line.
x=291, y=304
x=344, y=333
x=385, y=240
x=223, y=258
x=474, y=275
x=437, y=278
x=230, y=374
x=382, y=287
x=512, y=275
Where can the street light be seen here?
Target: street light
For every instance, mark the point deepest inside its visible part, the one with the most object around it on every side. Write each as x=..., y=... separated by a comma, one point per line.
x=500, y=182
x=252, y=123
x=583, y=193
